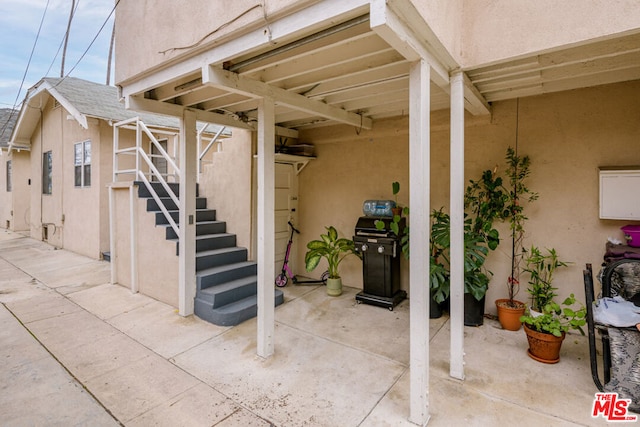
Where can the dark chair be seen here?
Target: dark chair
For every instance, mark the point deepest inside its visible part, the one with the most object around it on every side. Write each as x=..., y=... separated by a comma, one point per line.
x=620, y=346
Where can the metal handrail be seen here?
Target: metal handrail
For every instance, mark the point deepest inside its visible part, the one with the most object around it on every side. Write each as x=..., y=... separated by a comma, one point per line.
x=140, y=154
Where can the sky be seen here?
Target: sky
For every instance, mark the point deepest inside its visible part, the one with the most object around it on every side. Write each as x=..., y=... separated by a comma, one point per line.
x=19, y=24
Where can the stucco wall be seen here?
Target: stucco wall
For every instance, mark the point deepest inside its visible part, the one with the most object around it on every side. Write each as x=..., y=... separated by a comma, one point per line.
x=497, y=29
x=567, y=135
x=21, y=188
x=474, y=31
x=162, y=29
x=153, y=250
x=226, y=183
x=76, y=217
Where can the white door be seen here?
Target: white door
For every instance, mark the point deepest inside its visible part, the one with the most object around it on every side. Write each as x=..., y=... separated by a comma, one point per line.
x=286, y=204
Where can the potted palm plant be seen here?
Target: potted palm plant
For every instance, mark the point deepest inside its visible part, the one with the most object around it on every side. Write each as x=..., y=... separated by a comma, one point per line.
x=334, y=250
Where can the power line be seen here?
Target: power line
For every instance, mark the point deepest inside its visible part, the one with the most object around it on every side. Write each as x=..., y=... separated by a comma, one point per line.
x=24, y=76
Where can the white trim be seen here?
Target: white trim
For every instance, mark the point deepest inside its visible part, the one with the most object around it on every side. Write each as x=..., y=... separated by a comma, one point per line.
x=456, y=317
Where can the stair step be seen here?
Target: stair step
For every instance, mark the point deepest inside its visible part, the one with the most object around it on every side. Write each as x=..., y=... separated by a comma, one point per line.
x=202, y=228
x=225, y=273
x=228, y=292
x=201, y=215
x=210, y=241
x=143, y=191
x=170, y=205
x=235, y=313
x=222, y=256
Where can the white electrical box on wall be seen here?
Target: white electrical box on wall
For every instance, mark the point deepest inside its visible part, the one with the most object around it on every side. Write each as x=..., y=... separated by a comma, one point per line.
x=620, y=193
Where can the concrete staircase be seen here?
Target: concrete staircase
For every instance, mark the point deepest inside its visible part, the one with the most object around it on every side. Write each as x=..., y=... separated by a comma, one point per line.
x=226, y=292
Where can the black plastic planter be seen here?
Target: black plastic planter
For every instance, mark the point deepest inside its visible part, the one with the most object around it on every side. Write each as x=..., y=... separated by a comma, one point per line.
x=473, y=310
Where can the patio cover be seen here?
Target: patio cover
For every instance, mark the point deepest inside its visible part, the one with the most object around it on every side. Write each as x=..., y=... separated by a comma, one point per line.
x=346, y=62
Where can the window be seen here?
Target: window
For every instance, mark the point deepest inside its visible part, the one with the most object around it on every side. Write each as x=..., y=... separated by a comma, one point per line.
x=82, y=164
x=46, y=173
x=8, y=175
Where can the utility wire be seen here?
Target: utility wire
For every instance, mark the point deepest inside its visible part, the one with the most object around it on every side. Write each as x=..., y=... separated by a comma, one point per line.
x=24, y=76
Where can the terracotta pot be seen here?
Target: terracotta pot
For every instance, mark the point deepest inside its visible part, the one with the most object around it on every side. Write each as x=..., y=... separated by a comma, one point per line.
x=397, y=211
x=509, y=317
x=334, y=287
x=543, y=347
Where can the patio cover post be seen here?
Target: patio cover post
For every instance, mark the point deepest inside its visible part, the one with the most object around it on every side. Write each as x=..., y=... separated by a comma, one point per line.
x=187, y=214
x=419, y=194
x=266, y=226
x=456, y=363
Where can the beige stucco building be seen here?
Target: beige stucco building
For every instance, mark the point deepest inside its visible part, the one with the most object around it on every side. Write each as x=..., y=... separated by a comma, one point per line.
x=426, y=93
x=429, y=94
x=61, y=154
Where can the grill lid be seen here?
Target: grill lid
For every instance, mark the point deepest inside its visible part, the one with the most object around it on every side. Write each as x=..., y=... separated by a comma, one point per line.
x=366, y=226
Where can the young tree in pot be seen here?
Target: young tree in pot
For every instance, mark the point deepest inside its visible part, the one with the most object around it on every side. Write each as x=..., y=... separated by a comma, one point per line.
x=334, y=250
x=518, y=169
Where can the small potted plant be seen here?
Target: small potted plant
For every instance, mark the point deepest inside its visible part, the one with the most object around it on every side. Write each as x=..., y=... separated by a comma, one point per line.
x=395, y=189
x=546, y=331
x=541, y=268
x=334, y=250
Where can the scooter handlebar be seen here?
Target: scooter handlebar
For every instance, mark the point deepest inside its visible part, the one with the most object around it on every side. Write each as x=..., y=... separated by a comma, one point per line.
x=292, y=227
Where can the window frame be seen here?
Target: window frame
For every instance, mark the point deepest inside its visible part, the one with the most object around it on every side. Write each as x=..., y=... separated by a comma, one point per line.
x=82, y=164
x=9, y=176
x=47, y=172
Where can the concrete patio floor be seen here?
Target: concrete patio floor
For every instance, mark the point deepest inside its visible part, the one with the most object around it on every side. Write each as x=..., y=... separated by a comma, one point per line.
x=79, y=351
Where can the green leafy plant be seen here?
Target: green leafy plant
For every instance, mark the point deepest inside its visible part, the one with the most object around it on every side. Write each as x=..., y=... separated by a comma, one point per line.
x=395, y=188
x=541, y=267
x=486, y=200
x=330, y=247
x=518, y=169
x=556, y=319
x=476, y=277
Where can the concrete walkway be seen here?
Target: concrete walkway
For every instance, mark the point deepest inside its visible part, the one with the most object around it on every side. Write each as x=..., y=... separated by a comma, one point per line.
x=79, y=351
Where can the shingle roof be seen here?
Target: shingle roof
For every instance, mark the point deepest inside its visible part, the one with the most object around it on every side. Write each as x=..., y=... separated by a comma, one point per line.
x=101, y=101
x=8, y=119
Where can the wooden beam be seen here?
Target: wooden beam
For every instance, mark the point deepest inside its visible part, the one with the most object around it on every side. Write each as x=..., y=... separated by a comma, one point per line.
x=233, y=82
x=187, y=214
x=140, y=104
x=266, y=227
x=456, y=191
x=395, y=31
x=419, y=194
x=318, y=15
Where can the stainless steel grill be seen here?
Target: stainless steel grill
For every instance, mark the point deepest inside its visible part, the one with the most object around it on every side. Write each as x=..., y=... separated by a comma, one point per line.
x=380, y=262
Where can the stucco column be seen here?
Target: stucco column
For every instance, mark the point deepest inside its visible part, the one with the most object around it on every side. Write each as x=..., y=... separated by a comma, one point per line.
x=419, y=194
x=456, y=311
x=187, y=215
x=266, y=227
